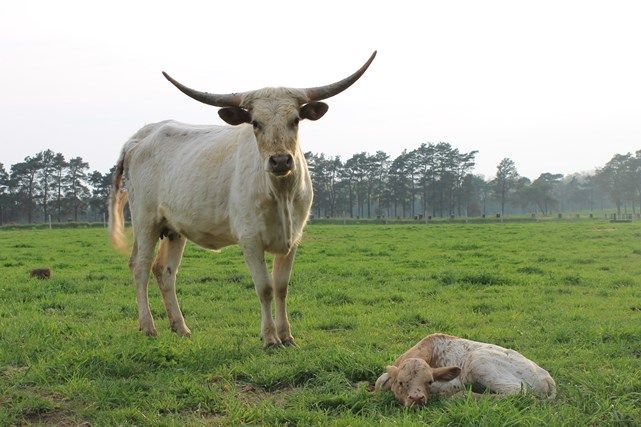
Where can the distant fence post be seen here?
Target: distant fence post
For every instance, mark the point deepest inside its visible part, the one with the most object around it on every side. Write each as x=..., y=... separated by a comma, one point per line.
x=104, y=219
x=50, y=222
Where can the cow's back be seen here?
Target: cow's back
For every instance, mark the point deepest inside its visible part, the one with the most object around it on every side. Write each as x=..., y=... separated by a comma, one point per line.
x=182, y=174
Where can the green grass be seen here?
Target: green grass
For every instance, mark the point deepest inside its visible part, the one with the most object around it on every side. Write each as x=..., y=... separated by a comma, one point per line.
x=565, y=294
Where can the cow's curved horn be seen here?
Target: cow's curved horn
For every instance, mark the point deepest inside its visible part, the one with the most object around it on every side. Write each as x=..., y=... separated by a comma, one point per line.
x=218, y=100
x=323, y=92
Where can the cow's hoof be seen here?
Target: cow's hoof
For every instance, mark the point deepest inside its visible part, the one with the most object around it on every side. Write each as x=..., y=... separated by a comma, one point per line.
x=289, y=341
x=181, y=330
x=150, y=332
x=273, y=344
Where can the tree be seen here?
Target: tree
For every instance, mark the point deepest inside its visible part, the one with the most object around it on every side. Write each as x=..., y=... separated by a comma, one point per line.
x=76, y=185
x=503, y=183
x=4, y=193
x=46, y=178
x=635, y=175
x=24, y=183
x=101, y=186
x=60, y=166
x=542, y=191
x=615, y=178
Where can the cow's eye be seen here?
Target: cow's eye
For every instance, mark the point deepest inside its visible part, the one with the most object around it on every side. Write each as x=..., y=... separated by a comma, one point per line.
x=256, y=125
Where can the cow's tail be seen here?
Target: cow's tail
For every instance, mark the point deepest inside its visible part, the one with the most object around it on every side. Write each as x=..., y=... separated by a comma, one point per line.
x=117, y=200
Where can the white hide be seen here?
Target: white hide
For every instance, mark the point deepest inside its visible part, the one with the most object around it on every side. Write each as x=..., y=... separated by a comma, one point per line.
x=209, y=184
x=499, y=370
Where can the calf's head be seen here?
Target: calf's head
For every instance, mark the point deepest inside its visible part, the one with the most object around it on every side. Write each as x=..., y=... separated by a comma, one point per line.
x=410, y=382
x=274, y=114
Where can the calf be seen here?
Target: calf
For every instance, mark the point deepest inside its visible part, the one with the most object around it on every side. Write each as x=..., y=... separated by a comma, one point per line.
x=444, y=364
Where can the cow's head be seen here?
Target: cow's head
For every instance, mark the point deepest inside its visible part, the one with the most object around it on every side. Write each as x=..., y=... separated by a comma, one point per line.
x=274, y=114
x=410, y=382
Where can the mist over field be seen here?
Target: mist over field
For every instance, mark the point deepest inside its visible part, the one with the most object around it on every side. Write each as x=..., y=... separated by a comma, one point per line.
x=210, y=215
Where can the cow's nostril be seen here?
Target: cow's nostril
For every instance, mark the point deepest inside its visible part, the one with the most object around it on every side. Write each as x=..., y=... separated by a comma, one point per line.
x=418, y=398
x=281, y=163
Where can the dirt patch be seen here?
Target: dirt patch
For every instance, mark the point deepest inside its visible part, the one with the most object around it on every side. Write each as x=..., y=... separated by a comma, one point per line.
x=252, y=395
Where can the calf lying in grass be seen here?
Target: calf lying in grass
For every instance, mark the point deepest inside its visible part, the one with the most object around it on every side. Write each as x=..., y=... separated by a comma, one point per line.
x=443, y=364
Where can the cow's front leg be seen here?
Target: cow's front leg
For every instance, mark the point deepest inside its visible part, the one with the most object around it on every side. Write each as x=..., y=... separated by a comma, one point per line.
x=255, y=260
x=282, y=270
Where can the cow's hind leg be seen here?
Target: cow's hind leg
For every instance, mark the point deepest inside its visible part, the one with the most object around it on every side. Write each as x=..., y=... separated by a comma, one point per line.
x=165, y=268
x=495, y=376
x=255, y=260
x=140, y=264
x=281, y=272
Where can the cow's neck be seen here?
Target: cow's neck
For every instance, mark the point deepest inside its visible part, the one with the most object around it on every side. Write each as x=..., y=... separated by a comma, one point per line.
x=284, y=191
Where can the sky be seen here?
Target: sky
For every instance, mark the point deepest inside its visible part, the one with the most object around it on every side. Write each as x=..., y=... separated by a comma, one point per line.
x=554, y=85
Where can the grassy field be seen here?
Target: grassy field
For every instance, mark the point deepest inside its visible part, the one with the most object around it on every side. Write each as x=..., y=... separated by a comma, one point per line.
x=565, y=294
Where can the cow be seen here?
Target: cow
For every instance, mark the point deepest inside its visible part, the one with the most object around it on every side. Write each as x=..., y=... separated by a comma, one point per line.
x=443, y=364
x=245, y=184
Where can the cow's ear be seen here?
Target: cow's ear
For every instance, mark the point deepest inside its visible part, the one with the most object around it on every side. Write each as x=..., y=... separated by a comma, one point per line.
x=313, y=110
x=234, y=115
x=447, y=373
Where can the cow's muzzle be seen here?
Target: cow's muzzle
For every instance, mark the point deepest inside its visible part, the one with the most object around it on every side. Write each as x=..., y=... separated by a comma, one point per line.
x=281, y=164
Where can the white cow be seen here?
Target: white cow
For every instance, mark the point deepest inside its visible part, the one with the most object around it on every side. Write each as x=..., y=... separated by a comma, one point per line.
x=217, y=186
x=443, y=364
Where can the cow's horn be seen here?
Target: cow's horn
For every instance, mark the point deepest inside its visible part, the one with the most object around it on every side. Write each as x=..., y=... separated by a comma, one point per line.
x=218, y=100
x=323, y=92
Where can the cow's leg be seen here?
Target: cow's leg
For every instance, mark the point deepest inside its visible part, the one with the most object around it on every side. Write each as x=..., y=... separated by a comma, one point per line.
x=255, y=260
x=165, y=268
x=282, y=270
x=140, y=263
x=496, y=377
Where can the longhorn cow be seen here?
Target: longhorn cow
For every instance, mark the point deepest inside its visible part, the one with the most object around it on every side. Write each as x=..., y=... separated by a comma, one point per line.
x=245, y=184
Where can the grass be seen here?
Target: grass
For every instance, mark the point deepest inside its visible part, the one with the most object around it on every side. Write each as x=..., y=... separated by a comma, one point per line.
x=566, y=294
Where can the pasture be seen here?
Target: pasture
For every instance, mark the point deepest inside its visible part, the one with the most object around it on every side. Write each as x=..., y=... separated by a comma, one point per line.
x=565, y=294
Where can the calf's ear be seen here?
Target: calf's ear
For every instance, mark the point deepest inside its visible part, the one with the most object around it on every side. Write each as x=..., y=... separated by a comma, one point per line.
x=313, y=110
x=447, y=373
x=234, y=115
x=384, y=382
x=392, y=372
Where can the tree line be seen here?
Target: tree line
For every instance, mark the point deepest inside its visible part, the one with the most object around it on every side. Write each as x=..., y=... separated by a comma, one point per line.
x=437, y=180
x=47, y=186
x=434, y=179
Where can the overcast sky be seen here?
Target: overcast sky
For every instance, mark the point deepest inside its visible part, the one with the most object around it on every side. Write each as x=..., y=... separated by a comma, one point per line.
x=556, y=86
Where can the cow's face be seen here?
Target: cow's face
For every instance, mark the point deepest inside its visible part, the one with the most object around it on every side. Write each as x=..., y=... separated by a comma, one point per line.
x=410, y=382
x=274, y=114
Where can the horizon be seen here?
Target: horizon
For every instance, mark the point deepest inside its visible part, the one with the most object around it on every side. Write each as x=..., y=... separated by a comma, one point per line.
x=552, y=86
